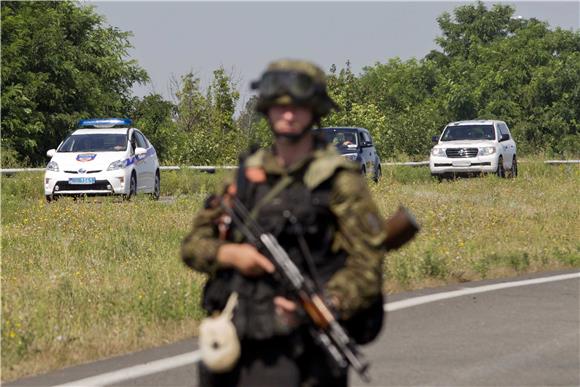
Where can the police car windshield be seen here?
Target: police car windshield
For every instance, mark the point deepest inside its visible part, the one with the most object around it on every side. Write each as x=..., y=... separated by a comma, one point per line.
x=344, y=139
x=97, y=142
x=468, y=132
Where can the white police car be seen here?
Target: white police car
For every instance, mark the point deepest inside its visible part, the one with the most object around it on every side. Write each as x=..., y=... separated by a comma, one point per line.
x=103, y=157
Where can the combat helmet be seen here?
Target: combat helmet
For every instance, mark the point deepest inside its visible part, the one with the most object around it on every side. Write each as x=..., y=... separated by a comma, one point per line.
x=294, y=82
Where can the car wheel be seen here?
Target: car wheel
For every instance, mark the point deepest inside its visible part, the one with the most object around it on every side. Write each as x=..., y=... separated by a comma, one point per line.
x=500, y=169
x=157, y=187
x=378, y=174
x=132, y=187
x=49, y=198
x=437, y=176
x=514, y=169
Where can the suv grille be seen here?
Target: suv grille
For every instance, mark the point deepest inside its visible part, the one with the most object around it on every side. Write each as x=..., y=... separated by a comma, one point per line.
x=457, y=153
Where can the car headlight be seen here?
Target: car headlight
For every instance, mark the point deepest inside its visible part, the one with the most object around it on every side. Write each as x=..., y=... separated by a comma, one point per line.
x=440, y=152
x=52, y=166
x=119, y=164
x=351, y=156
x=485, y=151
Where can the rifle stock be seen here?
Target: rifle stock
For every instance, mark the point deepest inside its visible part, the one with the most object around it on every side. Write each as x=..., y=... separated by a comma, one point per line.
x=401, y=227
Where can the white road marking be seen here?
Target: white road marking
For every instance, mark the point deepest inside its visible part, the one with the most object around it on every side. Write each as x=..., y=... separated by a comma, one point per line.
x=403, y=304
x=137, y=371
x=157, y=366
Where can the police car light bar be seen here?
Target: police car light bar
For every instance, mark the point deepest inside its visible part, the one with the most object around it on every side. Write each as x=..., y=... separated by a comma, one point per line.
x=101, y=123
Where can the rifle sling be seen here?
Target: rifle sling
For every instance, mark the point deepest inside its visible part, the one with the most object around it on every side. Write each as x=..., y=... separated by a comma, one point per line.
x=274, y=191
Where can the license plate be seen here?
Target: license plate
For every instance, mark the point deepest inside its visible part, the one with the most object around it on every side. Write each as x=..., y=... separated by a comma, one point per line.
x=461, y=163
x=82, y=180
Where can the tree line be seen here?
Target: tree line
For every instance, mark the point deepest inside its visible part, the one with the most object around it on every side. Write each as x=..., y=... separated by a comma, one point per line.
x=61, y=62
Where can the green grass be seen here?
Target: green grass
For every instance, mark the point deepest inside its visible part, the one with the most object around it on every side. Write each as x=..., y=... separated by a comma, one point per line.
x=484, y=227
x=90, y=278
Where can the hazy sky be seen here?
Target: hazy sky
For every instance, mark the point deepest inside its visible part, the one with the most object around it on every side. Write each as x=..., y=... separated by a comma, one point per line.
x=172, y=38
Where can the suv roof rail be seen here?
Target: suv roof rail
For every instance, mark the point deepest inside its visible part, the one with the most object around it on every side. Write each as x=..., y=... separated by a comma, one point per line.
x=357, y=129
x=479, y=120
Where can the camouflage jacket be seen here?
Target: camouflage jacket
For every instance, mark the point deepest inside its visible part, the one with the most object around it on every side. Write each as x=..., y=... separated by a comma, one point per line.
x=360, y=227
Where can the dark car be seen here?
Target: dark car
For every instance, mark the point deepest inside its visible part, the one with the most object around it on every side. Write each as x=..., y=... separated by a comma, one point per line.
x=357, y=145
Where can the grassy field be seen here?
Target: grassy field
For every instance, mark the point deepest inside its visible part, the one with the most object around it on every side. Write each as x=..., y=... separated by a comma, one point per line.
x=87, y=279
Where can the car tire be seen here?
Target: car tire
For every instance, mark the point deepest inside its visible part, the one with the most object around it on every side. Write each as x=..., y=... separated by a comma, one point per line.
x=500, y=172
x=156, y=187
x=437, y=176
x=378, y=174
x=50, y=198
x=514, y=168
x=132, y=187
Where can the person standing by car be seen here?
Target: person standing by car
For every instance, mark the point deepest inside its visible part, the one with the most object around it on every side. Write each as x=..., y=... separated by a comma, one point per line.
x=319, y=208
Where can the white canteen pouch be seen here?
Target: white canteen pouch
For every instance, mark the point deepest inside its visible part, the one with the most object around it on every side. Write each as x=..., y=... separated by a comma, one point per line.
x=218, y=341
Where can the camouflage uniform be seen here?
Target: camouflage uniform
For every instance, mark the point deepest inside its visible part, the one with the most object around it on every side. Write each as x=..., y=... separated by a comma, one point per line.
x=346, y=238
x=361, y=232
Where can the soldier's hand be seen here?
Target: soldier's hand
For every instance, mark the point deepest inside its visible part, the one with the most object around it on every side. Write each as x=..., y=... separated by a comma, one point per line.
x=286, y=311
x=244, y=258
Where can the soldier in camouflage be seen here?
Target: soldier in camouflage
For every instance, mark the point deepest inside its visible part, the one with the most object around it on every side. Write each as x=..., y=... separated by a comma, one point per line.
x=319, y=207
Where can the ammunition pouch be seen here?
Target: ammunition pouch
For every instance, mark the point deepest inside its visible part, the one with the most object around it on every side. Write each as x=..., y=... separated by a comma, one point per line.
x=366, y=324
x=255, y=316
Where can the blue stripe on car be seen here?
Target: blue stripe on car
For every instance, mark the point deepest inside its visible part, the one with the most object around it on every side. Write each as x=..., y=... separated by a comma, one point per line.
x=134, y=159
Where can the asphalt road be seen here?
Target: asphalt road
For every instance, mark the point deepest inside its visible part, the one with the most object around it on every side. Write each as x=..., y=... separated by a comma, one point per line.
x=502, y=334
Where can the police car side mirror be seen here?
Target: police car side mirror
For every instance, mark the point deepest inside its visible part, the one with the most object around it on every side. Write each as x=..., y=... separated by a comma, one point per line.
x=140, y=151
x=51, y=152
x=435, y=139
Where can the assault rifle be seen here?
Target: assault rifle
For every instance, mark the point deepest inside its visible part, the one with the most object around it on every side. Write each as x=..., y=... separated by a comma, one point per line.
x=325, y=328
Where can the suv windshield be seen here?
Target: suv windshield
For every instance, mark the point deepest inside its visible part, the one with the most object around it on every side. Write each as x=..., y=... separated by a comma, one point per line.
x=344, y=139
x=98, y=142
x=468, y=132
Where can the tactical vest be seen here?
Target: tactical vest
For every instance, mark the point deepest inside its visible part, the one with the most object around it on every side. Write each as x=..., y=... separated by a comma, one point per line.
x=300, y=218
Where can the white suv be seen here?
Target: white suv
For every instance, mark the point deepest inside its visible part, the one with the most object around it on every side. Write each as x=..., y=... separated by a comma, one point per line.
x=103, y=156
x=474, y=147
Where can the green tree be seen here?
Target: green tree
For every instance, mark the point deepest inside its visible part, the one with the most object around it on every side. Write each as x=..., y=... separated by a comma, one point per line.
x=154, y=116
x=205, y=125
x=253, y=125
x=393, y=100
x=60, y=63
x=193, y=110
x=343, y=88
x=473, y=25
x=516, y=70
x=222, y=97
